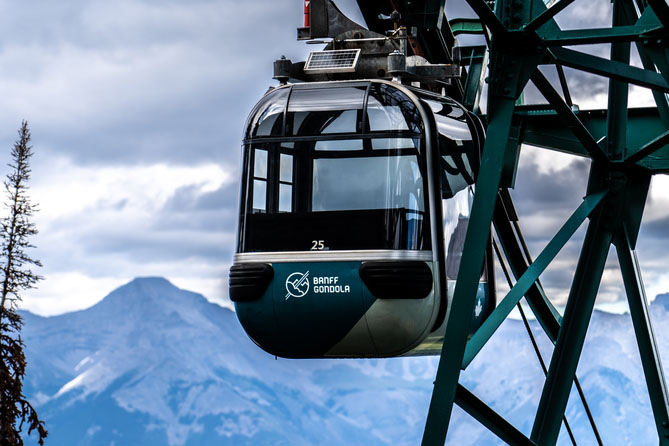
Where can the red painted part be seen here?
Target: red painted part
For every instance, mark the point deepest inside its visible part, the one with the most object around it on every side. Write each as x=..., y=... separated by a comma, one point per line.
x=307, y=12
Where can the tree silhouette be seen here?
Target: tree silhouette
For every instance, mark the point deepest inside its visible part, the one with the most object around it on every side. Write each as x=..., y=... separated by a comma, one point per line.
x=15, y=231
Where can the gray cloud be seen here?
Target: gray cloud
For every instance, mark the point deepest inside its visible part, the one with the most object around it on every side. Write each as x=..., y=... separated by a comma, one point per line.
x=190, y=209
x=656, y=230
x=594, y=13
x=192, y=224
x=129, y=82
x=548, y=190
x=164, y=82
x=178, y=245
x=538, y=189
x=116, y=93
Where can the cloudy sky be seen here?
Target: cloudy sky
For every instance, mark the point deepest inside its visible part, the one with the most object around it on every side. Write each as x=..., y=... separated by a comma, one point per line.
x=136, y=108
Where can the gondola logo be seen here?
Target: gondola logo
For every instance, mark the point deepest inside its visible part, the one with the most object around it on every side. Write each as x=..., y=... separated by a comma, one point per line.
x=297, y=285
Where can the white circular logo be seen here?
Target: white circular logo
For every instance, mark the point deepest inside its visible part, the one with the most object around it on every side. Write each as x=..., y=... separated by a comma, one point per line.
x=297, y=285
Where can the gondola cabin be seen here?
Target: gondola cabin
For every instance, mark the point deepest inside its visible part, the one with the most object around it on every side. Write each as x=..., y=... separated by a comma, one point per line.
x=355, y=200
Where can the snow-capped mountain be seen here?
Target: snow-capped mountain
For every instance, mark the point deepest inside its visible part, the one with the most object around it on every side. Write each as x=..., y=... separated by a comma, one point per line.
x=155, y=365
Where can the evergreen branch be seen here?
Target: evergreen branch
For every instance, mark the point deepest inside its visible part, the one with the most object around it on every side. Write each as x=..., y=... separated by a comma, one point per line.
x=15, y=231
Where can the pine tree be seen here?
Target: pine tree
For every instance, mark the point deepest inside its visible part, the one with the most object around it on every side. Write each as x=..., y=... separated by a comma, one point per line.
x=15, y=230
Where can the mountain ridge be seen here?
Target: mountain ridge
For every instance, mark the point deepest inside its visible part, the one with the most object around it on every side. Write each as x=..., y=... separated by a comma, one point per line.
x=142, y=282
x=153, y=364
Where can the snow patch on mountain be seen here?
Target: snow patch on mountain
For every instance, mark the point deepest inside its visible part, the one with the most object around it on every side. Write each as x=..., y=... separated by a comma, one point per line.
x=152, y=364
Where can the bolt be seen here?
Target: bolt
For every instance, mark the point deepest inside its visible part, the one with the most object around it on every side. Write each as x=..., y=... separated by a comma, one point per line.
x=507, y=90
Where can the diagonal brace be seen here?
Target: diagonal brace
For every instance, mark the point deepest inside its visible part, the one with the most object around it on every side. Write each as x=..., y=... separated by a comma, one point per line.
x=487, y=16
x=661, y=10
x=510, y=239
x=649, y=148
x=525, y=281
x=547, y=15
x=591, y=36
x=578, y=311
x=643, y=327
x=567, y=115
x=610, y=68
x=476, y=242
x=489, y=418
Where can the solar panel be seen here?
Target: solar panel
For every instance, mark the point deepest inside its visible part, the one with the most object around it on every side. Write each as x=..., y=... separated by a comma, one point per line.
x=332, y=61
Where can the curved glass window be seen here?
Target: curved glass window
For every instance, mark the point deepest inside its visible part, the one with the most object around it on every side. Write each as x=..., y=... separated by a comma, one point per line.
x=259, y=181
x=368, y=182
x=389, y=109
x=347, y=173
x=363, y=108
x=458, y=151
x=451, y=120
x=394, y=143
x=327, y=99
x=456, y=220
x=348, y=199
x=339, y=144
x=325, y=110
x=266, y=119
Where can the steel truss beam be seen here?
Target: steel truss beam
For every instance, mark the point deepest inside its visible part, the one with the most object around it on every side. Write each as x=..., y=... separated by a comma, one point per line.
x=530, y=277
x=505, y=223
x=476, y=241
x=627, y=148
x=574, y=326
x=650, y=357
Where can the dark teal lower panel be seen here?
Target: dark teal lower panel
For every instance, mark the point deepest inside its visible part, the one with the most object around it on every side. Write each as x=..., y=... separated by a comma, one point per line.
x=307, y=309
